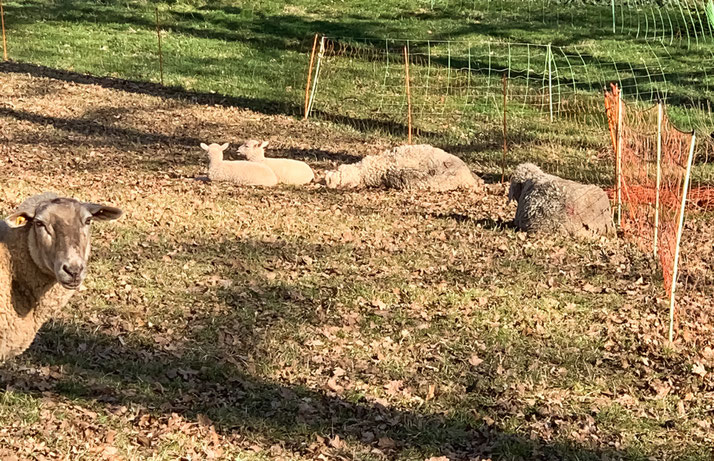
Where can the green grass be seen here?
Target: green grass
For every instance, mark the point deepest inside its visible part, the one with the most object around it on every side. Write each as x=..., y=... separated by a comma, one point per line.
x=260, y=51
x=257, y=54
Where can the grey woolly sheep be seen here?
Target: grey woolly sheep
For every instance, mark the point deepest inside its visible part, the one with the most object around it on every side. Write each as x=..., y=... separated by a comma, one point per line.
x=288, y=171
x=237, y=171
x=44, y=248
x=406, y=167
x=550, y=203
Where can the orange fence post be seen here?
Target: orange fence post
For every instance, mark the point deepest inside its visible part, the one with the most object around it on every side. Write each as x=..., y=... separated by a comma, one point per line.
x=680, y=227
x=409, y=95
x=309, y=74
x=505, y=146
x=660, y=119
x=161, y=57
x=618, y=158
x=4, y=42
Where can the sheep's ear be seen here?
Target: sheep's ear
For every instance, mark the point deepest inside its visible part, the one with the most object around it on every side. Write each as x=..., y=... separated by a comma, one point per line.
x=264, y=143
x=224, y=146
x=204, y=146
x=103, y=212
x=19, y=219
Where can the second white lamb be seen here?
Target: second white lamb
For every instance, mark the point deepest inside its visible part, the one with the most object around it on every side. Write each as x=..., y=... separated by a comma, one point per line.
x=288, y=171
x=241, y=172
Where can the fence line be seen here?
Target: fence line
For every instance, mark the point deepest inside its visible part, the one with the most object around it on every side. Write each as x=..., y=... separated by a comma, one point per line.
x=456, y=98
x=680, y=22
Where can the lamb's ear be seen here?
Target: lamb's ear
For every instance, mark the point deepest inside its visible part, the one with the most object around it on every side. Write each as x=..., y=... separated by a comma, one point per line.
x=19, y=219
x=204, y=146
x=103, y=212
x=264, y=143
x=224, y=146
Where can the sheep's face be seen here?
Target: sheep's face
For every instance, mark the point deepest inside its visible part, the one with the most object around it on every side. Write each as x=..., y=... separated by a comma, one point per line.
x=332, y=179
x=346, y=176
x=215, y=151
x=523, y=173
x=514, y=191
x=253, y=150
x=58, y=236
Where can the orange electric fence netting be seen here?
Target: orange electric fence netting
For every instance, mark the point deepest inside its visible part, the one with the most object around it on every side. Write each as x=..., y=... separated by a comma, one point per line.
x=649, y=197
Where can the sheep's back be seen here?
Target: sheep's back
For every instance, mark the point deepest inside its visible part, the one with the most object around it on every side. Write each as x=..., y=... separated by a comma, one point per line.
x=289, y=171
x=425, y=166
x=243, y=172
x=549, y=203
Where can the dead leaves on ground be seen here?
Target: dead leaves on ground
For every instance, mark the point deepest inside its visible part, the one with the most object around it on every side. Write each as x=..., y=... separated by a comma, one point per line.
x=394, y=294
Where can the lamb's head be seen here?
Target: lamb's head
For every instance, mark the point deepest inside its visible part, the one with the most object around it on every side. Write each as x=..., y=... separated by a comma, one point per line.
x=215, y=151
x=58, y=236
x=346, y=176
x=523, y=173
x=253, y=150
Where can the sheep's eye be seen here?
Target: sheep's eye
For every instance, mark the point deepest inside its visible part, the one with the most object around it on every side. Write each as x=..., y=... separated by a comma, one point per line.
x=40, y=225
x=88, y=221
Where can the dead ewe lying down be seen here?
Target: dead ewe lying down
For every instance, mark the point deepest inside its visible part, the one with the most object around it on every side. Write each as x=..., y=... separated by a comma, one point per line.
x=288, y=171
x=547, y=203
x=44, y=248
x=237, y=171
x=406, y=167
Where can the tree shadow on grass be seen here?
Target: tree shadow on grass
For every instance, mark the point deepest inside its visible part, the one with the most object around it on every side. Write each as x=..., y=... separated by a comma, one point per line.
x=151, y=89
x=315, y=155
x=177, y=93
x=205, y=374
x=98, y=367
x=496, y=224
x=107, y=134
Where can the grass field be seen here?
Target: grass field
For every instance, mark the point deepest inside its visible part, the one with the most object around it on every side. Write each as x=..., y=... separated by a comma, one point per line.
x=257, y=53
x=303, y=323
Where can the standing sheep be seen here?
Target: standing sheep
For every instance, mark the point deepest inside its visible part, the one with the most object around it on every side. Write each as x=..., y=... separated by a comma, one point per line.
x=288, y=171
x=44, y=248
x=550, y=203
x=237, y=171
x=406, y=167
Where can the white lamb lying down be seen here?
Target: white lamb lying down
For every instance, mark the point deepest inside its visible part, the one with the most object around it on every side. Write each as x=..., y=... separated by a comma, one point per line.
x=406, y=167
x=237, y=171
x=288, y=171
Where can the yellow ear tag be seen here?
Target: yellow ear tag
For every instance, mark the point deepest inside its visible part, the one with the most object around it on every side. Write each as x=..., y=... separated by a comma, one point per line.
x=20, y=220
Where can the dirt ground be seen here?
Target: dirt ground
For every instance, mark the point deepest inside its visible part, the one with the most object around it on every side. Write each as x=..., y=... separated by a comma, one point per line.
x=330, y=324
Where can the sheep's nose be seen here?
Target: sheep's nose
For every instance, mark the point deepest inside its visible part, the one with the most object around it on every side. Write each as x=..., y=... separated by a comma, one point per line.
x=73, y=270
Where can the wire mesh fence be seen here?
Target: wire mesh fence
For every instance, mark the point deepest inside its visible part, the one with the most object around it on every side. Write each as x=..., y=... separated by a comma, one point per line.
x=458, y=97
x=679, y=22
x=552, y=93
x=653, y=162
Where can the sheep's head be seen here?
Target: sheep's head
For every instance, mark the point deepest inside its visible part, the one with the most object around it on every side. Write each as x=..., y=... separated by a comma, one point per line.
x=523, y=172
x=253, y=150
x=58, y=234
x=215, y=151
x=346, y=176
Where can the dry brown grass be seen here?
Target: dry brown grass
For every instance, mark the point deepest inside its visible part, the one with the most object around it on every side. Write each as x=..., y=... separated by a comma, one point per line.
x=305, y=323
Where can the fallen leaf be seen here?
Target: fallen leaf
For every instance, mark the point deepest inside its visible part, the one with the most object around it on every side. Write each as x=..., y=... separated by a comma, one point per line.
x=386, y=442
x=475, y=361
x=699, y=369
x=204, y=420
x=332, y=384
x=337, y=442
x=110, y=451
x=430, y=391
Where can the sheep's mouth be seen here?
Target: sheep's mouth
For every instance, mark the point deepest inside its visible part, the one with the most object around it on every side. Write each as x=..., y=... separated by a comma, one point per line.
x=71, y=285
